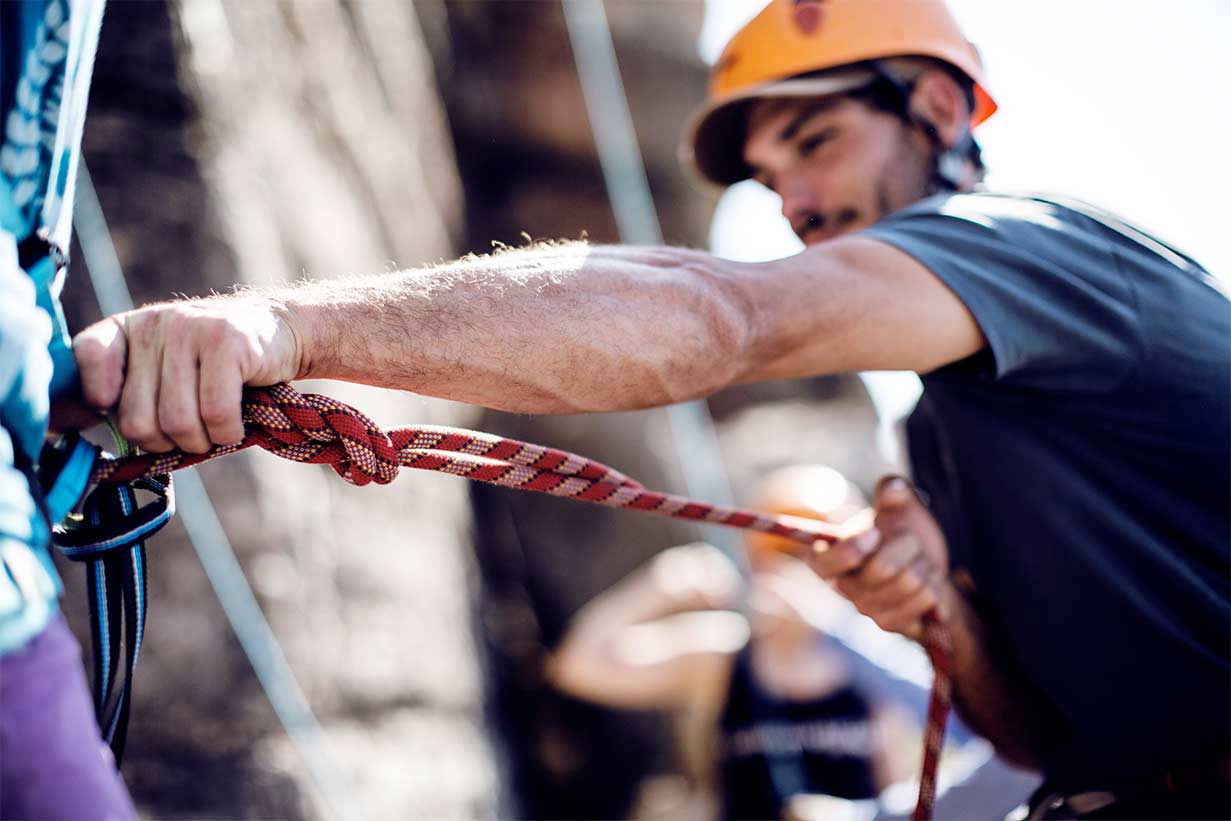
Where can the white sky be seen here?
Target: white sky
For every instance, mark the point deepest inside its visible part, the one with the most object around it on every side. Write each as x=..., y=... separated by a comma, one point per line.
x=1124, y=103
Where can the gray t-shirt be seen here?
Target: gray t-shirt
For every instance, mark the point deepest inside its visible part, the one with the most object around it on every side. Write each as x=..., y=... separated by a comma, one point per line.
x=1080, y=467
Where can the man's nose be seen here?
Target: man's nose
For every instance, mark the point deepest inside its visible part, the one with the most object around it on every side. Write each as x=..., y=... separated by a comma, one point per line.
x=798, y=201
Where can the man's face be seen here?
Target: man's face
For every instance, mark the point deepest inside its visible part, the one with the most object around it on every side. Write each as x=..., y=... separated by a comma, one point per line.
x=837, y=164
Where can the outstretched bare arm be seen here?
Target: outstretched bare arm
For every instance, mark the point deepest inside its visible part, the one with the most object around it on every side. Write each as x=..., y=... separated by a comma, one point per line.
x=554, y=328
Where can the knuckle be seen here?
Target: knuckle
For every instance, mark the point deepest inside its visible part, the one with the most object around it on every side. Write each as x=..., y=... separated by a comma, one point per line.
x=911, y=583
x=141, y=326
x=87, y=350
x=137, y=426
x=220, y=420
x=216, y=331
x=904, y=547
x=216, y=409
x=176, y=423
x=213, y=411
x=900, y=620
x=178, y=432
x=880, y=569
x=832, y=564
x=885, y=621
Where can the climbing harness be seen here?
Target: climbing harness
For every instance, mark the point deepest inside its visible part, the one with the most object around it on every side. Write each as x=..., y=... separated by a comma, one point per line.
x=319, y=430
x=108, y=536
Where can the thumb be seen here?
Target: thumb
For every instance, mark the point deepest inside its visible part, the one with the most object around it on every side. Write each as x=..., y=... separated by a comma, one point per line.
x=894, y=493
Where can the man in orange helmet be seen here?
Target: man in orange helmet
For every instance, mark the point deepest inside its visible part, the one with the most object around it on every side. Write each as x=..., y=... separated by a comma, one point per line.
x=1074, y=437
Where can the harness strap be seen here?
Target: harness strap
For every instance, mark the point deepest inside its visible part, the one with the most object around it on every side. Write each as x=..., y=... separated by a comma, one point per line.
x=109, y=538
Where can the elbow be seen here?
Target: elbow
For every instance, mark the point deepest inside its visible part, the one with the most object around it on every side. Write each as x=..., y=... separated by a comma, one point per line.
x=731, y=331
x=722, y=333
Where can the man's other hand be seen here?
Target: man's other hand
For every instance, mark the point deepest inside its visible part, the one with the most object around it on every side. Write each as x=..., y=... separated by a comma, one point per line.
x=897, y=570
x=696, y=576
x=175, y=372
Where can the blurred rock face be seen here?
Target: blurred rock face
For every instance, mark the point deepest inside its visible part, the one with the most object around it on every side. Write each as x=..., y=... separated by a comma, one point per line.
x=238, y=142
x=241, y=142
x=523, y=140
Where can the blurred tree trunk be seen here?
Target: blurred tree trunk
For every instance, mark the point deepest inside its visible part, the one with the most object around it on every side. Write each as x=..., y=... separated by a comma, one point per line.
x=234, y=141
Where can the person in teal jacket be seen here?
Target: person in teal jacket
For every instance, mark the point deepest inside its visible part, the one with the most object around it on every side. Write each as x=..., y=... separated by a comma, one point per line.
x=53, y=762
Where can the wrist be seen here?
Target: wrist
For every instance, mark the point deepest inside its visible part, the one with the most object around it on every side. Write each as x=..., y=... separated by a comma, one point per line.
x=966, y=629
x=294, y=323
x=950, y=609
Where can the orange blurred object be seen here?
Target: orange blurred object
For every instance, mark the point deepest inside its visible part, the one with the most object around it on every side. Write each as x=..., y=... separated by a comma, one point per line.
x=808, y=491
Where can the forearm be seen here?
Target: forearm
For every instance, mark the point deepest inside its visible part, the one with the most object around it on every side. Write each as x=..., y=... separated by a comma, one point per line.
x=549, y=329
x=586, y=661
x=655, y=639
x=642, y=597
x=986, y=695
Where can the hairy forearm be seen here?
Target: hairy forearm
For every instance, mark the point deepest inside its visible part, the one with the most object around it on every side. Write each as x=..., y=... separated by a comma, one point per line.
x=986, y=695
x=553, y=328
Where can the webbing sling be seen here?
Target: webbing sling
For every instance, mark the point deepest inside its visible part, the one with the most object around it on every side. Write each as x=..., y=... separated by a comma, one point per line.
x=319, y=430
x=109, y=536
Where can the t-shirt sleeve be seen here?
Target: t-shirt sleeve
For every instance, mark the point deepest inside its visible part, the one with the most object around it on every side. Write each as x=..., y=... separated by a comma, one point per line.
x=1041, y=281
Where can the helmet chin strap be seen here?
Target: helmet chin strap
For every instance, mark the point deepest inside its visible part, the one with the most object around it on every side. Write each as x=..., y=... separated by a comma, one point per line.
x=948, y=163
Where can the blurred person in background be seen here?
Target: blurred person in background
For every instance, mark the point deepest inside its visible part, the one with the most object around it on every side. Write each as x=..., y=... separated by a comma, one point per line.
x=1073, y=438
x=53, y=762
x=771, y=713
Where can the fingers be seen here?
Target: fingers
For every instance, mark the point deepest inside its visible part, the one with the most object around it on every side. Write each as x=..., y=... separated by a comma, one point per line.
x=894, y=494
x=906, y=583
x=907, y=616
x=138, y=407
x=845, y=555
x=221, y=394
x=175, y=372
x=101, y=351
x=179, y=413
x=889, y=578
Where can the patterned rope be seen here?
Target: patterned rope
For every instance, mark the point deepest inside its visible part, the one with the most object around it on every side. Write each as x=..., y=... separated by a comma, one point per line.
x=319, y=430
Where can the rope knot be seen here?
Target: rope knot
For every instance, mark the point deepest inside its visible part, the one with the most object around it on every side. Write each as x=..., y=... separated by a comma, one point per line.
x=318, y=429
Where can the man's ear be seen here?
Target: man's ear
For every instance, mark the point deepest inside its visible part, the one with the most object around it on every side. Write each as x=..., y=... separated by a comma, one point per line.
x=938, y=100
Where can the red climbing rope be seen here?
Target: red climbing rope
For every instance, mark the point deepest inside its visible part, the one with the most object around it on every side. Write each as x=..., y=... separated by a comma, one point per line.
x=320, y=430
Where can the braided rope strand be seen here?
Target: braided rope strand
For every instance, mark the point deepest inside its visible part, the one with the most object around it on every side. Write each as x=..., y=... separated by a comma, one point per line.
x=317, y=429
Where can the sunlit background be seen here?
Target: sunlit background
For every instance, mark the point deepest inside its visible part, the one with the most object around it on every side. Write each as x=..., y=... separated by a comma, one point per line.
x=398, y=669
x=1123, y=103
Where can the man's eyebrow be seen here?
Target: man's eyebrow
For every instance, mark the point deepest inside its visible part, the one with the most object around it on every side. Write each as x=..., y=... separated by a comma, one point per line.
x=797, y=122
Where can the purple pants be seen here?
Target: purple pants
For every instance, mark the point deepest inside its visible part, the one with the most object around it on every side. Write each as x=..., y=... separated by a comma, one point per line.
x=54, y=766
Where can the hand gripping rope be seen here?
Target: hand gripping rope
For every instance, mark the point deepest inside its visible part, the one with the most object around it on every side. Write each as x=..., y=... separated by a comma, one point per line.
x=319, y=430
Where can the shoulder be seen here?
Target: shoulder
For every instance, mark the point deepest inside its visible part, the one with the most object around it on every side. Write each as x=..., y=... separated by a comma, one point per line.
x=996, y=211
x=1043, y=277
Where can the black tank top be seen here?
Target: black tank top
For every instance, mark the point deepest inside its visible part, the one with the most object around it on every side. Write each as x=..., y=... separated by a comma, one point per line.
x=774, y=749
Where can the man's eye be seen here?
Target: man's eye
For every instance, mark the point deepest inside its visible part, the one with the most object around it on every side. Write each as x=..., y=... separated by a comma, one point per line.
x=809, y=144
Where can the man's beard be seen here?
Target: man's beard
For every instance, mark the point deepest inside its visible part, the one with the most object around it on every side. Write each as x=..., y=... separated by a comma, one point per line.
x=908, y=178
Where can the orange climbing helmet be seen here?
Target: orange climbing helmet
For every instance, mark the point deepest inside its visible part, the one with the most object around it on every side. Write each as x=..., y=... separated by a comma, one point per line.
x=813, y=48
x=806, y=491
